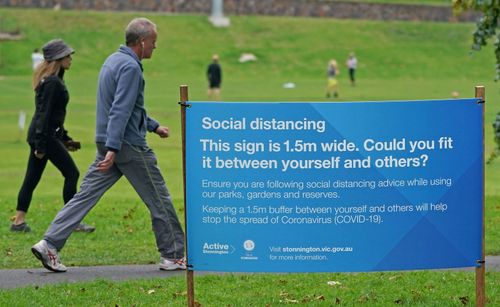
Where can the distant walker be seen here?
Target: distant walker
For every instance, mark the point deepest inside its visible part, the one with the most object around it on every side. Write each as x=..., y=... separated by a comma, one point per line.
x=214, y=76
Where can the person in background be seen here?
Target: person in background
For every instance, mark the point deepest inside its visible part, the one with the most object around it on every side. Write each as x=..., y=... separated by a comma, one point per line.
x=352, y=65
x=121, y=126
x=214, y=76
x=332, y=83
x=36, y=58
x=47, y=137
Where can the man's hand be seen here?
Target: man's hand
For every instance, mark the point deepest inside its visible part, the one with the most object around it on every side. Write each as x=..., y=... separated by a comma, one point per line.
x=108, y=161
x=163, y=132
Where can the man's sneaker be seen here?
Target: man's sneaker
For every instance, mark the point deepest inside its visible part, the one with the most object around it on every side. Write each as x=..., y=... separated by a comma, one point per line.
x=23, y=227
x=172, y=264
x=84, y=228
x=48, y=257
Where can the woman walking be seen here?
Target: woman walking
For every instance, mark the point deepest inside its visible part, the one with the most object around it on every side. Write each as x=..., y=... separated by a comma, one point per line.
x=47, y=138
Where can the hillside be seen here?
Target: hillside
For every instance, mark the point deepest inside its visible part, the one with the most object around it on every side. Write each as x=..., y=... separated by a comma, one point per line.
x=293, y=47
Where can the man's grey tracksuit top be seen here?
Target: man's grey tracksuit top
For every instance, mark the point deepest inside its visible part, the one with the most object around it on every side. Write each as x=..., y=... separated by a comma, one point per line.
x=121, y=115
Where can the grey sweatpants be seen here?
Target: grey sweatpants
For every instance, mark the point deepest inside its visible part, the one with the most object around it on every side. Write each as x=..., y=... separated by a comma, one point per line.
x=139, y=166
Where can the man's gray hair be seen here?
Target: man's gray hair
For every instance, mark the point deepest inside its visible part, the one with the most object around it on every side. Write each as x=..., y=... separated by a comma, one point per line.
x=138, y=29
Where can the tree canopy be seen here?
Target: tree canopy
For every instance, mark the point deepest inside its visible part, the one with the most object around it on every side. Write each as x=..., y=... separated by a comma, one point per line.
x=486, y=26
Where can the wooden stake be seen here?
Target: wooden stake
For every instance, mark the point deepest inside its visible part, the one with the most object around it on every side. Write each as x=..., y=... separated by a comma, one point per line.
x=189, y=273
x=480, y=270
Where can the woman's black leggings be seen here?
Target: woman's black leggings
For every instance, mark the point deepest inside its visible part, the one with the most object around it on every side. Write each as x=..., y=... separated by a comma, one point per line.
x=59, y=156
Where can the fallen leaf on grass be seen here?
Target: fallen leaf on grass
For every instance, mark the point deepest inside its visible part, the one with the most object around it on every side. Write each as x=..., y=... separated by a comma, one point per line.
x=416, y=294
x=464, y=300
x=365, y=298
x=306, y=299
x=320, y=298
x=151, y=291
x=333, y=283
x=284, y=295
x=177, y=294
x=129, y=214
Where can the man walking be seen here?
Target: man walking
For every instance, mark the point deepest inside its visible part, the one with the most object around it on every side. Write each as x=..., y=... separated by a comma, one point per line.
x=121, y=127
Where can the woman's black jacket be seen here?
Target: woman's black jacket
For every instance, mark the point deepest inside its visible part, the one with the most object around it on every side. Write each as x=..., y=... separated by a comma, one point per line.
x=48, y=121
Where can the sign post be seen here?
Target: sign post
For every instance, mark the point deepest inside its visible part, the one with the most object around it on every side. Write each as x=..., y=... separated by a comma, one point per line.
x=480, y=269
x=184, y=98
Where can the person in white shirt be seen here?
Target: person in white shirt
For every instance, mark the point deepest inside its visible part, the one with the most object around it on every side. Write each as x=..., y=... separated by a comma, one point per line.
x=352, y=64
x=36, y=58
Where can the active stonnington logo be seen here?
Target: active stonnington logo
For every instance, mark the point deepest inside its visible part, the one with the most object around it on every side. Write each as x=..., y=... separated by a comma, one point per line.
x=216, y=248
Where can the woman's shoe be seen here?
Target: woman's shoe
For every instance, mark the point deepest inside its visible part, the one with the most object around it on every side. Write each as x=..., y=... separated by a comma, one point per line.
x=84, y=228
x=23, y=227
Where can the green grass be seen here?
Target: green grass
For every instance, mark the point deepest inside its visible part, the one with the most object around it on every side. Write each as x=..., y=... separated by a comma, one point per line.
x=398, y=60
x=375, y=289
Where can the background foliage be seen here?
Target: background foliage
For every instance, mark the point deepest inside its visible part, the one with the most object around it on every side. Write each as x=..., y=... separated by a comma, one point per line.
x=486, y=27
x=398, y=61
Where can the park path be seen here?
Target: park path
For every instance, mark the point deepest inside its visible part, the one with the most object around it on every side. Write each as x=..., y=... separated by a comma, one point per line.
x=17, y=278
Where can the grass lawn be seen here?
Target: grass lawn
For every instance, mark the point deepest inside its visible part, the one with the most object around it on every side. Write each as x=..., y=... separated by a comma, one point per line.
x=425, y=288
x=398, y=60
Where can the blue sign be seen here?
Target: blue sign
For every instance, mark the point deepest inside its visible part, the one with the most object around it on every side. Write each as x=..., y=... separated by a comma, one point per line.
x=332, y=187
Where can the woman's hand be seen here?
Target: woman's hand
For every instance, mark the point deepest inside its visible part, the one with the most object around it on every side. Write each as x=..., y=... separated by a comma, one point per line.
x=72, y=145
x=39, y=155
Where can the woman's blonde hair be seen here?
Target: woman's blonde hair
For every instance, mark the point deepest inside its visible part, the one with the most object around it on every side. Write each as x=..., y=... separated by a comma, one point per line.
x=44, y=70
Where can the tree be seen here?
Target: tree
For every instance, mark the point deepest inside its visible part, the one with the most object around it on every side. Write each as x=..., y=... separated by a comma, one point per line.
x=486, y=25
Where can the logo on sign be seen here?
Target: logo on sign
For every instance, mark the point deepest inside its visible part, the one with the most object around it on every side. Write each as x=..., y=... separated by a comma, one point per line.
x=216, y=248
x=249, y=246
